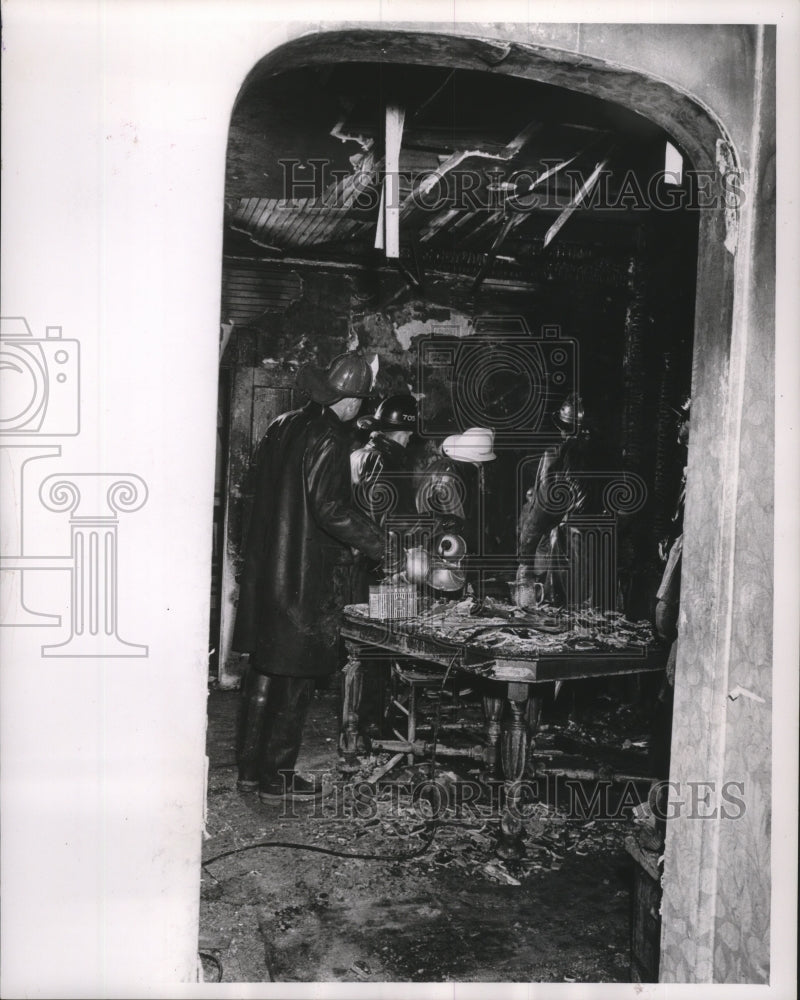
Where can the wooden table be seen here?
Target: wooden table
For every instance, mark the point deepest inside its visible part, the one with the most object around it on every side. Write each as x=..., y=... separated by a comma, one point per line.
x=514, y=669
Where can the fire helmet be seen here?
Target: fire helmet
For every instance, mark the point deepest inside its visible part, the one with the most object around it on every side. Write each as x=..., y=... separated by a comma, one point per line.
x=395, y=413
x=348, y=376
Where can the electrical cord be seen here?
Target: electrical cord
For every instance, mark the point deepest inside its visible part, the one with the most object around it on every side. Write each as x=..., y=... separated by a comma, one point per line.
x=418, y=852
x=215, y=960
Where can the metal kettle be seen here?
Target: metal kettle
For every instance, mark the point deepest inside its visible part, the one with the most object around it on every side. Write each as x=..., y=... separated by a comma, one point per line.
x=418, y=564
x=447, y=576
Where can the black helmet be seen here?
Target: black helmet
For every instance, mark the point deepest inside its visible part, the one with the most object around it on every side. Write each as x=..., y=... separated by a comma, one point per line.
x=569, y=416
x=348, y=376
x=395, y=413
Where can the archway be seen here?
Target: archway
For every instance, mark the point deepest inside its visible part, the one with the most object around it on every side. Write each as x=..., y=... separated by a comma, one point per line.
x=717, y=374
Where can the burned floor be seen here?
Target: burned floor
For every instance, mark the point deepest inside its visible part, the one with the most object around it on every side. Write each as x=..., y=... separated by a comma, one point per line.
x=395, y=876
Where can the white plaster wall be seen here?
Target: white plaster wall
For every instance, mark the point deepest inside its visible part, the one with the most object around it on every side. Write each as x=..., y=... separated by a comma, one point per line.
x=114, y=130
x=114, y=127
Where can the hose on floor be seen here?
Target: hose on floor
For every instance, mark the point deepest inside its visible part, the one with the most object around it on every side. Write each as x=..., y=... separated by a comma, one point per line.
x=432, y=825
x=416, y=853
x=213, y=958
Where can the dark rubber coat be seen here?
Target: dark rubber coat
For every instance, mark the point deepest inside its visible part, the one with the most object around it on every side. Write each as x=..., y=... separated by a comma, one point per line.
x=299, y=550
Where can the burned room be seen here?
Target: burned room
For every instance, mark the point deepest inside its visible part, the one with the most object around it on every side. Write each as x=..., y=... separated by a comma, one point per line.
x=399, y=432
x=462, y=344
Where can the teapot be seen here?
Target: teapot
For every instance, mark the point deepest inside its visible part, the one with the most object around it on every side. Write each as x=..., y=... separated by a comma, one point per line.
x=418, y=564
x=447, y=576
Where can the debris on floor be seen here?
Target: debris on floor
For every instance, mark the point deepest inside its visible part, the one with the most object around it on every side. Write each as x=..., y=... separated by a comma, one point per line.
x=394, y=876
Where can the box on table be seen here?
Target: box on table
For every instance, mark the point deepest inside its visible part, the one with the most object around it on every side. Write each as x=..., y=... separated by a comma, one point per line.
x=393, y=600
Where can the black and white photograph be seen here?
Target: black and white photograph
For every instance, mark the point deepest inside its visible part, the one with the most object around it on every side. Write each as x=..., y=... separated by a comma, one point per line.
x=398, y=434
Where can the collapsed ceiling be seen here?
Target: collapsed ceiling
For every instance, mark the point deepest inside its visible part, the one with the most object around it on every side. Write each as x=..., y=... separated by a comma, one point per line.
x=488, y=164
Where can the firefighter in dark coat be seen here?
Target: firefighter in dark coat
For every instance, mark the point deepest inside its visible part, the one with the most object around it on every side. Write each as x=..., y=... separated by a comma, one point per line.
x=299, y=558
x=382, y=477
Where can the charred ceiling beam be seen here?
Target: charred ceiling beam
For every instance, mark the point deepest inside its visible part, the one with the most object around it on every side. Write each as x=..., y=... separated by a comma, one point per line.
x=516, y=218
x=575, y=203
x=527, y=266
x=505, y=229
x=469, y=159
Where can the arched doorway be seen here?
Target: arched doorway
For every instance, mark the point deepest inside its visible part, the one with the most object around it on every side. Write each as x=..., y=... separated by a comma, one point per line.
x=717, y=371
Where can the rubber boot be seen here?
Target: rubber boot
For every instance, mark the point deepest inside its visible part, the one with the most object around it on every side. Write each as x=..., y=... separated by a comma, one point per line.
x=250, y=734
x=289, y=700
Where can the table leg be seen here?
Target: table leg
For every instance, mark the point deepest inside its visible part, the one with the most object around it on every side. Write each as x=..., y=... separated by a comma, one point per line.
x=514, y=738
x=493, y=712
x=514, y=745
x=533, y=713
x=351, y=740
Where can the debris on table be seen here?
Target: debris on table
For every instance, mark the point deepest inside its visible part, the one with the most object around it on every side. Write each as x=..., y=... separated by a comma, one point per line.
x=508, y=630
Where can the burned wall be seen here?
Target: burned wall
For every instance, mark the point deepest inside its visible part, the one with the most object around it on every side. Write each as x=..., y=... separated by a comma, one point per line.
x=309, y=313
x=628, y=309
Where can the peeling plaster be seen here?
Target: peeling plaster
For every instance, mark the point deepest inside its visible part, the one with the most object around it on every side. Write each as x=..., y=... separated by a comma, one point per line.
x=726, y=164
x=457, y=325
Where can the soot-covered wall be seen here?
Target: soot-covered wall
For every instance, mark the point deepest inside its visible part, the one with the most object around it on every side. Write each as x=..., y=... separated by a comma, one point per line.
x=629, y=309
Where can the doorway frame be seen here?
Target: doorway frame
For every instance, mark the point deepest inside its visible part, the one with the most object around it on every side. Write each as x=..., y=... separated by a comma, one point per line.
x=719, y=373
